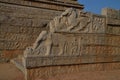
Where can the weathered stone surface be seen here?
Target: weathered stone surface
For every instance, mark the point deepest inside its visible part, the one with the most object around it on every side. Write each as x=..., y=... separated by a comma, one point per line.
x=44, y=4
x=46, y=72
x=69, y=36
x=113, y=30
x=77, y=21
x=20, y=25
x=98, y=49
x=115, y=22
x=33, y=62
x=111, y=13
x=74, y=41
x=21, y=21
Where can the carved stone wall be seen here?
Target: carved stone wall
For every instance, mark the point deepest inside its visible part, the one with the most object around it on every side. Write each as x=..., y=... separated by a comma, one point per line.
x=21, y=21
x=75, y=41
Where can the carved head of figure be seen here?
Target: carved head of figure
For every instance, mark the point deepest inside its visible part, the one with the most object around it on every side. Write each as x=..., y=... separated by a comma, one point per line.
x=65, y=20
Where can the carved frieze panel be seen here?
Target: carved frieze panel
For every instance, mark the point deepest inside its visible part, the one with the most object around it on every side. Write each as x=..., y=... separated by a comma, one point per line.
x=78, y=21
x=100, y=50
x=71, y=32
x=66, y=45
x=98, y=24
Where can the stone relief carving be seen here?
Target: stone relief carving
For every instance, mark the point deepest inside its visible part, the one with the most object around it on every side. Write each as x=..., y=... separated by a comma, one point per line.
x=71, y=20
x=66, y=45
x=77, y=21
x=42, y=45
x=72, y=47
x=98, y=24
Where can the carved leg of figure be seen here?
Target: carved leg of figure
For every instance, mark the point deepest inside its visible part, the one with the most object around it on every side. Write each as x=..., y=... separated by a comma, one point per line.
x=48, y=50
x=61, y=51
x=70, y=28
x=48, y=45
x=61, y=47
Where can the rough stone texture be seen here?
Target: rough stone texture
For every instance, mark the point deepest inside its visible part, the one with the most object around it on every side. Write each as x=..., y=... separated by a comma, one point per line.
x=21, y=21
x=111, y=13
x=70, y=26
x=45, y=4
x=113, y=20
x=75, y=49
x=76, y=41
x=47, y=72
x=77, y=21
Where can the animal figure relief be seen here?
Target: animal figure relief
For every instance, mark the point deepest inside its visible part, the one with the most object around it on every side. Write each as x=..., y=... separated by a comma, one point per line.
x=42, y=45
x=71, y=20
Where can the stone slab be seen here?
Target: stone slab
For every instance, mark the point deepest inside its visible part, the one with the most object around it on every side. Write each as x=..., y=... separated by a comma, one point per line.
x=43, y=4
x=34, y=62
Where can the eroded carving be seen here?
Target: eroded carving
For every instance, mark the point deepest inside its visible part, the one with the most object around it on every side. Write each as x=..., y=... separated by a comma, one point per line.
x=98, y=24
x=77, y=21
x=42, y=45
x=71, y=20
x=70, y=46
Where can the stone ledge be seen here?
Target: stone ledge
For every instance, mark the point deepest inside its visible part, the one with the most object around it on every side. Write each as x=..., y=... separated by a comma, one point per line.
x=52, y=71
x=43, y=4
x=67, y=3
x=34, y=62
